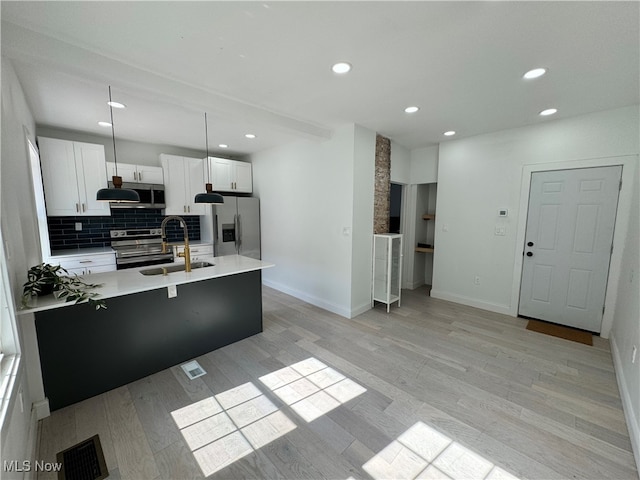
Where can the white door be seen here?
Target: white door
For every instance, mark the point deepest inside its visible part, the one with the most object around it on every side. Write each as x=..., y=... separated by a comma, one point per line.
x=567, y=247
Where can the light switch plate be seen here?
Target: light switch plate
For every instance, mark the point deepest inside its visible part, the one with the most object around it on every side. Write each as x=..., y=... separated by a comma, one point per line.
x=172, y=291
x=78, y=226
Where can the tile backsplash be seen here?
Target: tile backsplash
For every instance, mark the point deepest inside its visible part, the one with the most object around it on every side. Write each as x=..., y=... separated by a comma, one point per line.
x=95, y=230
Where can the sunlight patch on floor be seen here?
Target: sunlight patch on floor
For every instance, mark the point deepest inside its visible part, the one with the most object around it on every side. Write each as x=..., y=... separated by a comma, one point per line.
x=311, y=388
x=222, y=429
x=422, y=452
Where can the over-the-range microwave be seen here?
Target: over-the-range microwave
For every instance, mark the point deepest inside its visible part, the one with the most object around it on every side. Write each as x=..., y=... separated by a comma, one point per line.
x=151, y=195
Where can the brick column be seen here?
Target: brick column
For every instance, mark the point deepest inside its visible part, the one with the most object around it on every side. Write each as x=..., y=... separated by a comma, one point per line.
x=382, y=185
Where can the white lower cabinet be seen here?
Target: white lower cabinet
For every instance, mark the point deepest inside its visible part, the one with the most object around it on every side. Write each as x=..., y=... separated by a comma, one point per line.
x=387, y=268
x=85, y=264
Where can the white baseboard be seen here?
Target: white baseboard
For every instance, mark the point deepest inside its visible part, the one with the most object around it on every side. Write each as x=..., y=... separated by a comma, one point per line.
x=472, y=302
x=361, y=309
x=32, y=441
x=627, y=403
x=312, y=299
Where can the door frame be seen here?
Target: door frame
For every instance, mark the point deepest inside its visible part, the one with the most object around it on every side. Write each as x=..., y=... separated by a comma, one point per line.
x=629, y=165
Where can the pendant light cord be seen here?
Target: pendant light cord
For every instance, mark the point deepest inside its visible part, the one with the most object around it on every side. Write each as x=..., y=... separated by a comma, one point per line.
x=113, y=134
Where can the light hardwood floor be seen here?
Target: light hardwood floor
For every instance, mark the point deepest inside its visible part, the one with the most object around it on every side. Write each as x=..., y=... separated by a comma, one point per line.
x=431, y=390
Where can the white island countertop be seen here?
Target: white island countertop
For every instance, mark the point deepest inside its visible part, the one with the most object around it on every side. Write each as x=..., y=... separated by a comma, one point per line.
x=129, y=281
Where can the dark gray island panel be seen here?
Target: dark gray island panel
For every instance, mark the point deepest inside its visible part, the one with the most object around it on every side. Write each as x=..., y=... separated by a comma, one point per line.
x=84, y=352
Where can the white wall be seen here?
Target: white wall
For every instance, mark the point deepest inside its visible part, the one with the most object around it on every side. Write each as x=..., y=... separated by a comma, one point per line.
x=424, y=164
x=400, y=164
x=362, y=230
x=306, y=192
x=20, y=233
x=479, y=175
x=625, y=333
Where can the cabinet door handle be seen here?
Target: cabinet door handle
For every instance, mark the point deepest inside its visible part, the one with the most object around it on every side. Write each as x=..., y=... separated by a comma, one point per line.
x=184, y=209
x=139, y=176
x=189, y=208
x=77, y=207
x=84, y=207
x=86, y=261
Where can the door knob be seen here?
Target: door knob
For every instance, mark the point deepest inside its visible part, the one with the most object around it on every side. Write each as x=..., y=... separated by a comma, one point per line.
x=529, y=244
x=529, y=254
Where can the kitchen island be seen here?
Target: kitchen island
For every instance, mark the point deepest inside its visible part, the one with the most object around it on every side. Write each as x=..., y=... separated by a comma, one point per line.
x=145, y=328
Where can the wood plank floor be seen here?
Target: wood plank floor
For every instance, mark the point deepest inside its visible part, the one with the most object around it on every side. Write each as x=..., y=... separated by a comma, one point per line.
x=431, y=390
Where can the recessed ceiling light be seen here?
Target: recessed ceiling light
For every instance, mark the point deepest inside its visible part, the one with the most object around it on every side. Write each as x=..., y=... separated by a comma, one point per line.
x=412, y=109
x=548, y=111
x=535, y=73
x=116, y=105
x=341, y=67
x=223, y=145
x=449, y=133
x=104, y=124
x=250, y=135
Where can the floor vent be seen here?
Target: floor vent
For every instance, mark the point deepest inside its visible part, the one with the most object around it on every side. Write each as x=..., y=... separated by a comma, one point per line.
x=84, y=461
x=193, y=369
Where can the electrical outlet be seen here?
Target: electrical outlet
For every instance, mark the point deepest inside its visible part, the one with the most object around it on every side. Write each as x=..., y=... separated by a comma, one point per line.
x=634, y=354
x=78, y=226
x=476, y=280
x=172, y=291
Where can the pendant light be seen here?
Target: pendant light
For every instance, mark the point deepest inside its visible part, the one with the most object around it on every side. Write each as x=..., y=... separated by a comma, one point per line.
x=117, y=193
x=209, y=196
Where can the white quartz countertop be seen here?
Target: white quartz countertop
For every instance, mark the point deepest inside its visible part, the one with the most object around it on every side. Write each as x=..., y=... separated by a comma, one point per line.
x=126, y=282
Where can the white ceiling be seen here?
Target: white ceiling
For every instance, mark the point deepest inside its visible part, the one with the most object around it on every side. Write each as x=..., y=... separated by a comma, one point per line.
x=265, y=67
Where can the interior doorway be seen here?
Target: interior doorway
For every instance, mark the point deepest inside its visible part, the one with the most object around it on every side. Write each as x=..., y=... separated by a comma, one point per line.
x=568, y=243
x=395, y=208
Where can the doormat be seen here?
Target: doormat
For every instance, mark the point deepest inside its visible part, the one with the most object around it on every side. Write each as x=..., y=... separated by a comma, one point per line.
x=84, y=461
x=561, y=331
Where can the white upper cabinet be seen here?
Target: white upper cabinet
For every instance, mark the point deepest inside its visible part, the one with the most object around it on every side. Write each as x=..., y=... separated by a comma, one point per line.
x=72, y=174
x=183, y=178
x=230, y=175
x=136, y=173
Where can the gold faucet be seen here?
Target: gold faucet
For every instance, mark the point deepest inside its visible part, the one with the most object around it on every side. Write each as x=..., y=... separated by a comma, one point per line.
x=187, y=251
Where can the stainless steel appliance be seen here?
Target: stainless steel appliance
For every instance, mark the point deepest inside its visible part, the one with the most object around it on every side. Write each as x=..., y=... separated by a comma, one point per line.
x=139, y=247
x=151, y=195
x=236, y=227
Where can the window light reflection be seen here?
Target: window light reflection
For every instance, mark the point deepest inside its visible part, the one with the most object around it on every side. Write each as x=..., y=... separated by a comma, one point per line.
x=422, y=452
x=311, y=388
x=221, y=430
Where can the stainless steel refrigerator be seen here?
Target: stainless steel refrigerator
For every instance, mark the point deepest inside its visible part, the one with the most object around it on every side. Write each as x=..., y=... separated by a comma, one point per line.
x=236, y=227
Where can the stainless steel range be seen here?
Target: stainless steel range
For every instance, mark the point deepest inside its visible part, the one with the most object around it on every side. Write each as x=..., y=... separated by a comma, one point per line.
x=138, y=248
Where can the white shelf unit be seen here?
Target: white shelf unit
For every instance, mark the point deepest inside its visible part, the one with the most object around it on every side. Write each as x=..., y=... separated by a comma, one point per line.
x=387, y=268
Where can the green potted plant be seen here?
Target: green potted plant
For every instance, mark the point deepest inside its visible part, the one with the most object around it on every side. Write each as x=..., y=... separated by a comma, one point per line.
x=45, y=279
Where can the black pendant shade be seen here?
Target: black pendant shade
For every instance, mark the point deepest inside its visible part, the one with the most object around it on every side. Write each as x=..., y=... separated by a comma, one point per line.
x=116, y=193
x=209, y=196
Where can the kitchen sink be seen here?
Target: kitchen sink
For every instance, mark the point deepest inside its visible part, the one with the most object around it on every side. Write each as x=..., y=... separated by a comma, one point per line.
x=174, y=268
